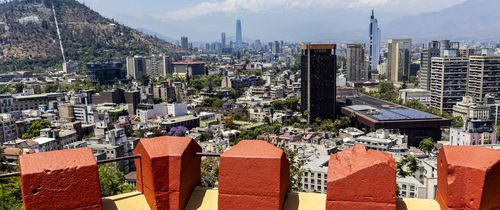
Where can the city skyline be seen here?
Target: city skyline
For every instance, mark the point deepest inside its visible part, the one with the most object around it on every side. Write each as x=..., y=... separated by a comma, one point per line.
x=265, y=21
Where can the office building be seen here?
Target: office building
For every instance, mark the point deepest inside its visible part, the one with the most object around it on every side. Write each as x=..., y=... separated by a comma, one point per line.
x=399, y=59
x=189, y=68
x=239, y=35
x=319, y=64
x=448, y=82
x=105, y=73
x=223, y=40
x=426, y=55
x=356, y=69
x=375, y=35
x=136, y=67
x=184, y=43
x=155, y=66
x=484, y=77
x=7, y=128
x=6, y=103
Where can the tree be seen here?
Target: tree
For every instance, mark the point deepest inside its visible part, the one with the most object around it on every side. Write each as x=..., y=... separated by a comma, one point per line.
x=112, y=180
x=228, y=121
x=34, y=129
x=296, y=169
x=406, y=166
x=209, y=171
x=426, y=145
x=276, y=128
x=457, y=122
x=10, y=191
x=179, y=131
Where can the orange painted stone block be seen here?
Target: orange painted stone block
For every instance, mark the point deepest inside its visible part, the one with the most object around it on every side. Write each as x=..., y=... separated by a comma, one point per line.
x=468, y=178
x=253, y=175
x=168, y=171
x=361, y=177
x=66, y=179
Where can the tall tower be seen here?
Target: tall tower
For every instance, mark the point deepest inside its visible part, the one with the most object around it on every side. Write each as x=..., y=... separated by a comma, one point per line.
x=239, y=35
x=398, y=59
x=223, y=40
x=356, y=63
x=374, y=43
x=319, y=67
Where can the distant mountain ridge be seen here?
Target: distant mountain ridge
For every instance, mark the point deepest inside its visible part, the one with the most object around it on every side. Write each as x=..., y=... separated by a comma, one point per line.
x=472, y=19
x=28, y=35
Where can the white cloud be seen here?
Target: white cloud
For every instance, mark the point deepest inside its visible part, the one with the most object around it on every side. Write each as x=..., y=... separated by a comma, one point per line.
x=233, y=6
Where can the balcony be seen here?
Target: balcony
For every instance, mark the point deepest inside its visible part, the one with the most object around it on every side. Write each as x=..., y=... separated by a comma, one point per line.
x=254, y=175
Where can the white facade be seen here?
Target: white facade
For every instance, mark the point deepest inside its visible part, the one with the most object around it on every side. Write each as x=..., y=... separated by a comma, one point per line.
x=315, y=177
x=409, y=187
x=177, y=110
x=421, y=95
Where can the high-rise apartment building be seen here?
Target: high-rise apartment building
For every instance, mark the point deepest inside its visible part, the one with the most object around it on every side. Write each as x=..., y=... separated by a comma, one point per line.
x=399, y=59
x=184, y=43
x=375, y=33
x=448, y=82
x=223, y=40
x=136, y=67
x=426, y=55
x=356, y=69
x=239, y=35
x=318, y=82
x=484, y=77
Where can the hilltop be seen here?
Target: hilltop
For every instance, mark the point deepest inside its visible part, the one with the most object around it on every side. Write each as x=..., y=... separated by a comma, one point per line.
x=28, y=35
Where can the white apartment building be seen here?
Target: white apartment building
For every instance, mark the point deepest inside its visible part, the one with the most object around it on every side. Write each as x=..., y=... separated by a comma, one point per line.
x=421, y=95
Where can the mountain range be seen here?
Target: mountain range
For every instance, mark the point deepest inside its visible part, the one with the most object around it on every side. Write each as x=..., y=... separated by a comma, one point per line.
x=29, y=36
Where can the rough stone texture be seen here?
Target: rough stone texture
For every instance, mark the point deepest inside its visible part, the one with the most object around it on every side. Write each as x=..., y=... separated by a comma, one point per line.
x=361, y=179
x=253, y=175
x=468, y=178
x=66, y=179
x=170, y=171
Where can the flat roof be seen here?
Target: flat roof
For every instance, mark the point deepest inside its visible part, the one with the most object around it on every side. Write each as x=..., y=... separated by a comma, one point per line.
x=43, y=140
x=187, y=63
x=318, y=46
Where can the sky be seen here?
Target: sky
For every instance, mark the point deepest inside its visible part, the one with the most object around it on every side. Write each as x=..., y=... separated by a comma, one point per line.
x=290, y=20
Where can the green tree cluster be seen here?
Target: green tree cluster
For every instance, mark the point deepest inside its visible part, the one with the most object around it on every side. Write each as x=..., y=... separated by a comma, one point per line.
x=208, y=82
x=296, y=169
x=10, y=191
x=209, y=171
x=212, y=102
x=112, y=180
x=34, y=129
x=427, y=145
x=407, y=166
x=289, y=103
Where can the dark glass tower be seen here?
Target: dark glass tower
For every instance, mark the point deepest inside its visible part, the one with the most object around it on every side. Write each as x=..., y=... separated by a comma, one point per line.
x=239, y=35
x=318, y=83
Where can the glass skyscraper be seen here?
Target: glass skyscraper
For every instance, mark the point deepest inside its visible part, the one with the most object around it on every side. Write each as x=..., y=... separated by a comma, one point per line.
x=374, y=43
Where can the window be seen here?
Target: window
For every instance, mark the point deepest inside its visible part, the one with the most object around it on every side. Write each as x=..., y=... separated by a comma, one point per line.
x=404, y=186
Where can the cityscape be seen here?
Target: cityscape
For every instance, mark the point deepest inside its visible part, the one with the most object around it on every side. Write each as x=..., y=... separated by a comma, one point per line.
x=95, y=114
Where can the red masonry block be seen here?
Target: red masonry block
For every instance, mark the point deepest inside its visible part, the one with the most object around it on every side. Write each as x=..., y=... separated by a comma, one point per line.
x=468, y=178
x=169, y=172
x=253, y=175
x=66, y=179
x=359, y=178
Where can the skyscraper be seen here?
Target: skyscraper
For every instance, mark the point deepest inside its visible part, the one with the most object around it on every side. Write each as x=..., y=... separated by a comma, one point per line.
x=136, y=67
x=239, y=35
x=356, y=69
x=184, y=43
x=223, y=40
x=318, y=82
x=426, y=55
x=448, y=81
x=484, y=77
x=375, y=34
x=398, y=59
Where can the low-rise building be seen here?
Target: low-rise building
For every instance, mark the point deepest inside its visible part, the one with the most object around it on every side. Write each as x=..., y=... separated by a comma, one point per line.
x=410, y=187
x=420, y=95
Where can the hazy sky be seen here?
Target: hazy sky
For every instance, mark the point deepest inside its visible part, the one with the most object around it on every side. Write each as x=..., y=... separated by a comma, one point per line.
x=295, y=20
